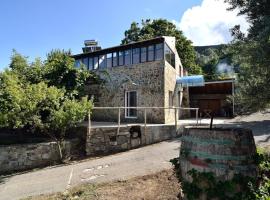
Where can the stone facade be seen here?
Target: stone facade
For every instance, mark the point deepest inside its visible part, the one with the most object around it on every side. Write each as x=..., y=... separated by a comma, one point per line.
x=21, y=157
x=153, y=81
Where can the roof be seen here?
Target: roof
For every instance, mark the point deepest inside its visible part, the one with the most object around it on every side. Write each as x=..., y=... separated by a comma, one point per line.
x=121, y=47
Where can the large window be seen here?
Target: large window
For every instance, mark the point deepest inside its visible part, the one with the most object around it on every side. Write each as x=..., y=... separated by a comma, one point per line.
x=159, y=52
x=77, y=63
x=121, y=58
x=131, y=101
x=115, y=63
x=151, y=50
x=127, y=57
x=169, y=55
x=102, y=61
x=109, y=60
x=136, y=55
x=85, y=62
x=90, y=66
x=143, y=54
x=95, y=62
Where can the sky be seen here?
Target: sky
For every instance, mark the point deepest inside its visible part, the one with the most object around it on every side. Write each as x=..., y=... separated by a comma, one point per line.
x=33, y=28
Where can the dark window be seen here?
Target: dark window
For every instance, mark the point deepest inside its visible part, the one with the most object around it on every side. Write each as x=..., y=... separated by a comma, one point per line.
x=109, y=60
x=159, y=55
x=102, y=61
x=169, y=55
x=131, y=101
x=115, y=59
x=121, y=58
x=127, y=57
x=77, y=63
x=143, y=54
x=151, y=50
x=170, y=98
x=95, y=62
x=85, y=62
x=136, y=55
x=91, y=66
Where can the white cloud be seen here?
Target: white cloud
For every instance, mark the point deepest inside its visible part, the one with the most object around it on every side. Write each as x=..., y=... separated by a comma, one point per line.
x=210, y=22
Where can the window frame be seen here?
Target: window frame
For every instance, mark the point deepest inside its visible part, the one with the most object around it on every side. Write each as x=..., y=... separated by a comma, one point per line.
x=127, y=110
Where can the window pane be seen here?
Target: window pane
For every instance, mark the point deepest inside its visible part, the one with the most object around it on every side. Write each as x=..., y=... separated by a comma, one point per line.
x=85, y=62
x=109, y=60
x=169, y=56
x=115, y=59
x=136, y=55
x=151, y=53
x=170, y=98
x=95, y=62
x=102, y=61
x=131, y=101
x=159, y=52
x=77, y=63
x=121, y=57
x=143, y=54
x=127, y=57
x=91, y=64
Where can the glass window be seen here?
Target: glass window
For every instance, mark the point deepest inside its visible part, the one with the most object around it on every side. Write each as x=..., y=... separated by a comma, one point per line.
x=109, y=60
x=121, y=58
x=131, y=101
x=85, y=62
x=143, y=54
x=115, y=59
x=159, y=52
x=136, y=55
x=151, y=50
x=170, y=98
x=102, y=61
x=77, y=63
x=95, y=62
x=169, y=55
x=90, y=64
x=127, y=57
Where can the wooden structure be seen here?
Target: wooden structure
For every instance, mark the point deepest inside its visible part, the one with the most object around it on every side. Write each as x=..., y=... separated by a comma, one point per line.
x=212, y=98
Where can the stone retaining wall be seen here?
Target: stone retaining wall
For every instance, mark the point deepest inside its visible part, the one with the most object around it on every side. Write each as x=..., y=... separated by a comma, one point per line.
x=105, y=140
x=21, y=157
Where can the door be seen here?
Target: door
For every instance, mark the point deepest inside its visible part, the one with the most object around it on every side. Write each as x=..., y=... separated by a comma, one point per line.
x=131, y=101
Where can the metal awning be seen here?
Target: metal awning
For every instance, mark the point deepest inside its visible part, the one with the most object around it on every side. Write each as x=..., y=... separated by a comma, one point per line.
x=190, y=81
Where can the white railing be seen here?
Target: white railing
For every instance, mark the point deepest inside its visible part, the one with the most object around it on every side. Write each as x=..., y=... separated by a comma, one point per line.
x=145, y=114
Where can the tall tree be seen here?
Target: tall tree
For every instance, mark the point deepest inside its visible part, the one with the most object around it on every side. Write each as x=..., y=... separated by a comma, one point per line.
x=161, y=27
x=252, y=53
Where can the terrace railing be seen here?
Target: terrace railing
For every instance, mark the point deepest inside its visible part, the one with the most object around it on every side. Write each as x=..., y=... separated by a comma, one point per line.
x=145, y=114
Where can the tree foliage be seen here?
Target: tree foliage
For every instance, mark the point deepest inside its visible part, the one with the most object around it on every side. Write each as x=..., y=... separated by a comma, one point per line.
x=43, y=97
x=252, y=53
x=149, y=29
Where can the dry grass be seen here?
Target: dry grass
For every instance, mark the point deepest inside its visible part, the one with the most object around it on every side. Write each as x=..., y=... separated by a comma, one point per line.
x=160, y=186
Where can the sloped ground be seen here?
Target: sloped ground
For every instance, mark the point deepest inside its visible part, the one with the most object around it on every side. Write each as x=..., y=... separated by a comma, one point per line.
x=159, y=186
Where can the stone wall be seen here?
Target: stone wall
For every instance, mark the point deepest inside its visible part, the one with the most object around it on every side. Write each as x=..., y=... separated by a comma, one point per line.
x=21, y=157
x=145, y=78
x=105, y=140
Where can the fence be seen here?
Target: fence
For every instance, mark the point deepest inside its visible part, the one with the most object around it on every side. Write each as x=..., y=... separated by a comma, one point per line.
x=145, y=114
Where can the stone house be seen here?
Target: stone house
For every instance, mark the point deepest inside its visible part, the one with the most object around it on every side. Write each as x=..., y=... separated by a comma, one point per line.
x=140, y=74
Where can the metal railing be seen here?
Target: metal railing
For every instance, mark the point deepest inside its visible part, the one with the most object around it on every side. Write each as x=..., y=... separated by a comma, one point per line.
x=145, y=114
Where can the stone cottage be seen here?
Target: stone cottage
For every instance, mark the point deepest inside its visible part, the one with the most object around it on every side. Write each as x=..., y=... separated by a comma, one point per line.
x=140, y=74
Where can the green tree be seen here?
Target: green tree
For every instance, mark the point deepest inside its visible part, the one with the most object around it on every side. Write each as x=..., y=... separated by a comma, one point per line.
x=161, y=27
x=252, y=53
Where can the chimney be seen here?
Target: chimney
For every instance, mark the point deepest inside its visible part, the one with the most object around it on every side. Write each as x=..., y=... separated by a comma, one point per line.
x=90, y=46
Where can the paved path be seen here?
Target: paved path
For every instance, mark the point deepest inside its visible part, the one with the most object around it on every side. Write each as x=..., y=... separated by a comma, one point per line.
x=137, y=162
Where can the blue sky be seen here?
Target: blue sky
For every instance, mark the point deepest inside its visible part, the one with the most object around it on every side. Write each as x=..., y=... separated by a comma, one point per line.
x=34, y=27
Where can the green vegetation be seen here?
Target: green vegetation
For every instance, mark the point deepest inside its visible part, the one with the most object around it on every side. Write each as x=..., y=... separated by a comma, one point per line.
x=238, y=188
x=43, y=97
x=149, y=29
x=252, y=53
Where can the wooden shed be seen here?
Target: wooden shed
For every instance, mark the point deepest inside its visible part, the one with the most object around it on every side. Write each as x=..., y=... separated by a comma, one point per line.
x=213, y=98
